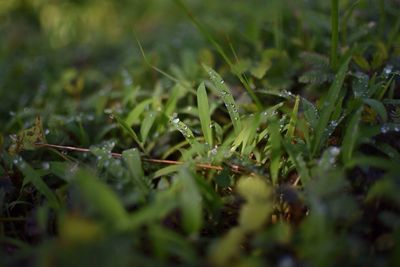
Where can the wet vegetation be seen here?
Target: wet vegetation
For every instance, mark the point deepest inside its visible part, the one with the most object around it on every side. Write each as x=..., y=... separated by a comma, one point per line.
x=200, y=133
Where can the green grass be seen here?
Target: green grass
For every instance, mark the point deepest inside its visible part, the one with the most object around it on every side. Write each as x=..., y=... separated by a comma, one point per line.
x=208, y=133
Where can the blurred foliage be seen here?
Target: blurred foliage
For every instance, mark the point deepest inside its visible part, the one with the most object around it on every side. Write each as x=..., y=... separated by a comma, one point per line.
x=164, y=157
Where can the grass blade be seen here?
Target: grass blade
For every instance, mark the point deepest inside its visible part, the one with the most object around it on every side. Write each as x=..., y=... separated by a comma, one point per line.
x=221, y=51
x=204, y=113
x=184, y=129
x=129, y=130
x=33, y=177
x=227, y=97
x=335, y=32
x=293, y=119
x=146, y=125
x=133, y=116
x=190, y=201
x=329, y=106
x=274, y=142
x=101, y=199
x=351, y=136
x=134, y=163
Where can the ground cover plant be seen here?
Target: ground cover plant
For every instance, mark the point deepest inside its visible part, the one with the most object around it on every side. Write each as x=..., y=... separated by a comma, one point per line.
x=199, y=133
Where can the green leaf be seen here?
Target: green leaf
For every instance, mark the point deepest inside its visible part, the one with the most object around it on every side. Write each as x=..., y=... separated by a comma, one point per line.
x=248, y=133
x=129, y=130
x=166, y=171
x=310, y=113
x=329, y=106
x=298, y=160
x=351, y=136
x=33, y=177
x=228, y=248
x=190, y=201
x=185, y=131
x=133, y=161
x=254, y=213
x=378, y=107
x=133, y=116
x=100, y=198
x=204, y=113
x=293, y=119
x=147, y=124
x=274, y=142
x=227, y=98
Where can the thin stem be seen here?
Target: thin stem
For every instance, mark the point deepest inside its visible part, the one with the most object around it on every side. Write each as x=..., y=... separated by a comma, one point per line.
x=334, y=32
x=234, y=168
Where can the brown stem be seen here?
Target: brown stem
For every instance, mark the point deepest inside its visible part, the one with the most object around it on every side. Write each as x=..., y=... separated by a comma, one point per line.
x=234, y=168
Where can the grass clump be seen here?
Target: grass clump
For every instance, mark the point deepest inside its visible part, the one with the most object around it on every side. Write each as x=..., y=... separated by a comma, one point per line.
x=282, y=152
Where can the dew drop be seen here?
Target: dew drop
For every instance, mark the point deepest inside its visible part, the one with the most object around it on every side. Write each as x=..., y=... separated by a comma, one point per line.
x=46, y=132
x=388, y=69
x=222, y=81
x=46, y=165
x=175, y=120
x=334, y=151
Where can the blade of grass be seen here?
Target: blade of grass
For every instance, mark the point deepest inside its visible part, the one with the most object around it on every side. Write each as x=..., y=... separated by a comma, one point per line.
x=133, y=160
x=274, y=142
x=146, y=125
x=100, y=197
x=298, y=161
x=221, y=51
x=204, y=113
x=335, y=32
x=33, y=177
x=293, y=119
x=226, y=96
x=133, y=116
x=190, y=201
x=172, y=78
x=129, y=130
x=329, y=106
x=351, y=136
x=184, y=129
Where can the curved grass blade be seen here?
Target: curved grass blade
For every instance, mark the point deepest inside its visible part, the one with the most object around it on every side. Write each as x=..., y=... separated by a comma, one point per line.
x=329, y=106
x=226, y=96
x=130, y=131
x=221, y=51
x=204, y=113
